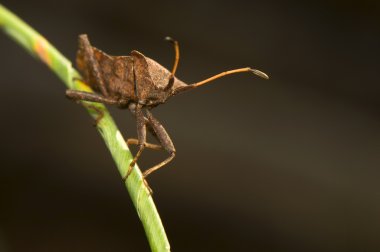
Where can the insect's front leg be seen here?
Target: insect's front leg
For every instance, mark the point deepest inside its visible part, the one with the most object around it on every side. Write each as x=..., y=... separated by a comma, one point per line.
x=165, y=141
x=141, y=135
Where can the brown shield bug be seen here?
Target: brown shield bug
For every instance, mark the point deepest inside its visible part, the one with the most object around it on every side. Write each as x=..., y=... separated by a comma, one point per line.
x=138, y=83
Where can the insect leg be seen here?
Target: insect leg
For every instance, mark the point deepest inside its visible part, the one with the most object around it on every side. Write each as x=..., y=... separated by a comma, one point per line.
x=86, y=96
x=164, y=139
x=134, y=141
x=141, y=134
x=92, y=97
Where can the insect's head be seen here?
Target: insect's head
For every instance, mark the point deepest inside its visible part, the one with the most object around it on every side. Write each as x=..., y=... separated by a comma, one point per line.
x=155, y=84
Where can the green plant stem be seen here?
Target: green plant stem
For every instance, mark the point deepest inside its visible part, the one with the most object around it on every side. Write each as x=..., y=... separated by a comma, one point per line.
x=36, y=45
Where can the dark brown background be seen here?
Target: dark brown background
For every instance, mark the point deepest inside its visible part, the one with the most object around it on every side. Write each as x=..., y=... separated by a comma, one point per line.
x=289, y=164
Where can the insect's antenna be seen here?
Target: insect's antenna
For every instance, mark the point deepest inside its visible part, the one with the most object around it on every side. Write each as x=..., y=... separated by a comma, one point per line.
x=239, y=70
x=176, y=59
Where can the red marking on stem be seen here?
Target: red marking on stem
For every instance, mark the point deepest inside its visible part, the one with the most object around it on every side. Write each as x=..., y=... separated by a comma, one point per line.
x=40, y=47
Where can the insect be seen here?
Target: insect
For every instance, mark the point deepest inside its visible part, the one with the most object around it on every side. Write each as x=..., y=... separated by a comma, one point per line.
x=139, y=84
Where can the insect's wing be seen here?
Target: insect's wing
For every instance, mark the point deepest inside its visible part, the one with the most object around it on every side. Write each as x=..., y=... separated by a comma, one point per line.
x=117, y=72
x=81, y=60
x=110, y=75
x=89, y=66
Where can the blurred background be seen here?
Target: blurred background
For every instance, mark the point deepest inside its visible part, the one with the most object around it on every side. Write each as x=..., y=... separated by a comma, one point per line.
x=289, y=164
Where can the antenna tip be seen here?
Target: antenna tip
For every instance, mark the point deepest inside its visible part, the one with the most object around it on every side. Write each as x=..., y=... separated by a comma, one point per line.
x=167, y=38
x=259, y=73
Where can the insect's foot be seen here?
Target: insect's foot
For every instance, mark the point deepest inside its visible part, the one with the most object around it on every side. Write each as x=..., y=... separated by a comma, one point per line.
x=128, y=172
x=97, y=119
x=147, y=186
x=100, y=114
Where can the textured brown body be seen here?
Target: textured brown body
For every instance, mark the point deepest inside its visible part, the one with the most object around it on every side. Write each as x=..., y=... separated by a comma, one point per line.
x=125, y=79
x=138, y=83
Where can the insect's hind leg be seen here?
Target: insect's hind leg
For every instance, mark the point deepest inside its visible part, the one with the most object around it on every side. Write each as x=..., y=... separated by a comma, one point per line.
x=76, y=95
